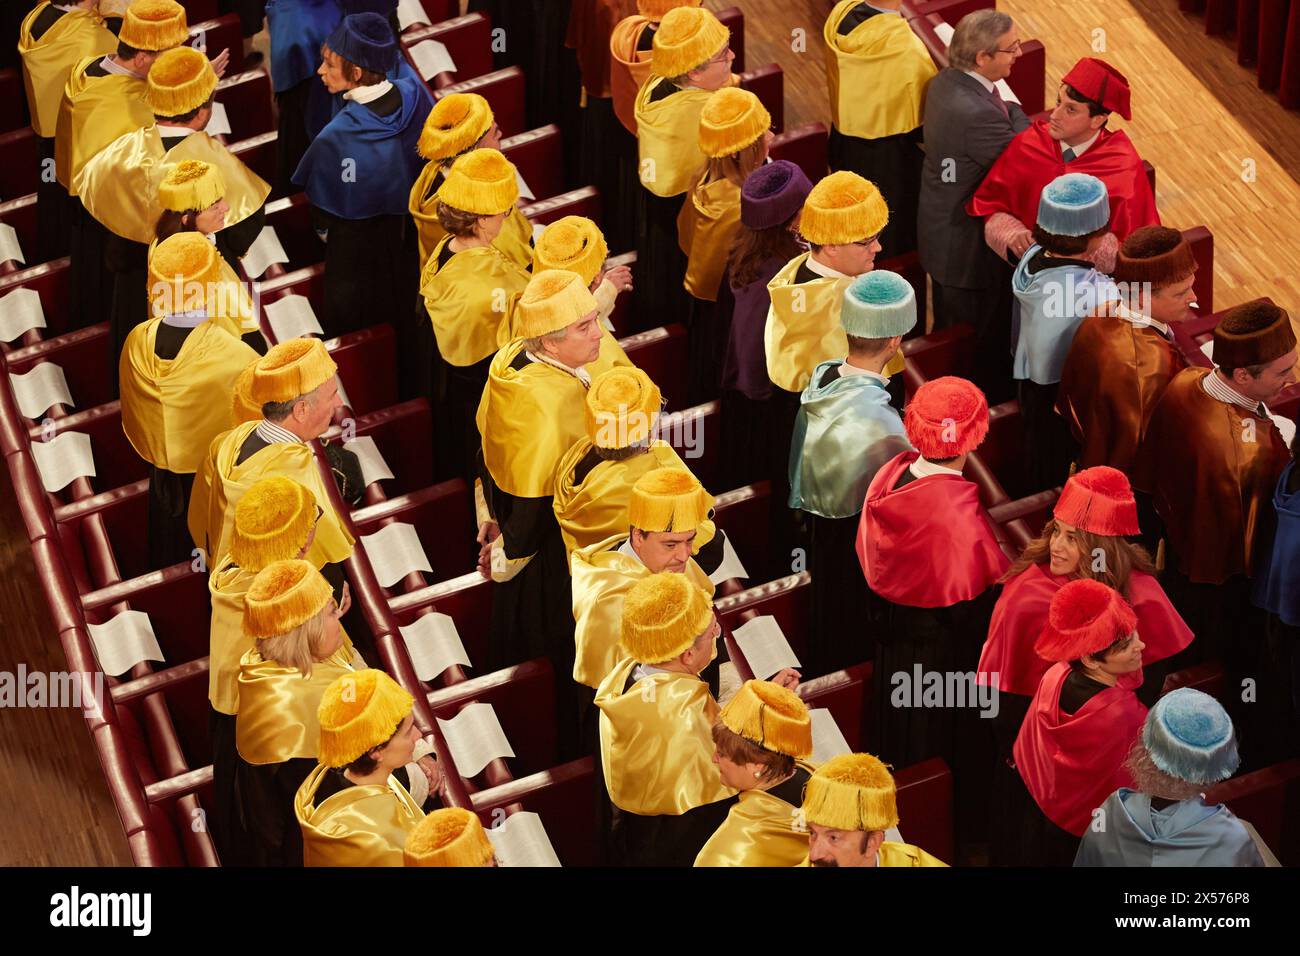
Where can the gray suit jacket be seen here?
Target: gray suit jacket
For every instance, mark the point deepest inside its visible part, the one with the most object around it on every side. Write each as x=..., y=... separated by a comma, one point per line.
x=965, y=133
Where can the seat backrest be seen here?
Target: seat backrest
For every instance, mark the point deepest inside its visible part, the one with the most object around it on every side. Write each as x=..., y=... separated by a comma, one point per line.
x=805, y=146
x=19, y=169
x=1267, y=799
x=81, y=355
x=220, y=33
x=924, y=795
x=358, y=355
x=564, y=797
x=466, y=599
x=504, y=91
x=539, y=156
x=403, y=434
x=247, y=99
x=468, y=40
x=442, y=516
x=661, y=354
x=768, y=84
x=847, y=695
x=576, y=202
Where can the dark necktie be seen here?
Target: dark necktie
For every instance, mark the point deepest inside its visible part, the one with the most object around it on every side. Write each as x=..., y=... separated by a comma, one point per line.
x=1067, y=154
x=997, y=98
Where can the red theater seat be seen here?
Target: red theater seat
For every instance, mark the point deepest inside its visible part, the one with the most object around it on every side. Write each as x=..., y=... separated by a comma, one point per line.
x=661, y=354
x=924, y=796
x=577, y=202
x=946, y=352
x=220, y=33
x=402, y=434
x=12, y=98
x=247, y=99
x=768, y=84
x=696, y=434
x=443, y=518
x=743, y=515
x=786, y=599
x=805, y=146
x=199, y=10
x=469, y=41
x=504, y=91
x=734, y=20
x=539, y=156
x=358, y=355
x=258, y=154
x=291, y=219
x=564, y=797
x=21, y=214
x=81, y=356
x=19, y=163
x=1267, y=799
x=466, y=599
x=116, y=462
x=50, y=282
x=847, y=695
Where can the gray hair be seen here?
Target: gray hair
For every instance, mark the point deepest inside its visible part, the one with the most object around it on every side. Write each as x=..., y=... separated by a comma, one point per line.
x=1154, y=782
x=535, y=344
x=977, y=33
x=279, y=411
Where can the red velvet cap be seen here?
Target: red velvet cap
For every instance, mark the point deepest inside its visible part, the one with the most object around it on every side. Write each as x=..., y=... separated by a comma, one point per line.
x=946, y=417
x=1100, y=501
x=1084, y=617
x=1102, y=83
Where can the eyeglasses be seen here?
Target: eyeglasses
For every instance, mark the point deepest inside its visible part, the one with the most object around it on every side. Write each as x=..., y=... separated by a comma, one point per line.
x=1014, y=48
x=721, y=57
x=867, y=241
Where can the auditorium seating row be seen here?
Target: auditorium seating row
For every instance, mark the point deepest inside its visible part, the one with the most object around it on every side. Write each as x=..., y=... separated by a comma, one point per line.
x=151, y=735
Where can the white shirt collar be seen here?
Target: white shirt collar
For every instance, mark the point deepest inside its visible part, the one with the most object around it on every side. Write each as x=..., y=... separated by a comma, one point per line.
x=984, y=81
x=626, y=548
x=174, y=132
x=1217, y=388
x=823, y=270
x=1082, y=147
x=1140, y=320
x=645, y=670
x=368, y=94
x=847, y=369
x=921, y=468
x=580, y=374
x=273, y=434
x=65, y=7
x=110, y=67
x=186, y=320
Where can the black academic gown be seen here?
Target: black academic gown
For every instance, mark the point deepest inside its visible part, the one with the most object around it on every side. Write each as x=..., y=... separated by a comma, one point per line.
x=169, y=492
x=53, y=215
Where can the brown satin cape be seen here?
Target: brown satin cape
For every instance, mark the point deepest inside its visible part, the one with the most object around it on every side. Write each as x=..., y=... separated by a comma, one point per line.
x=358, y=826
x=656, y=742
x=1212, y=485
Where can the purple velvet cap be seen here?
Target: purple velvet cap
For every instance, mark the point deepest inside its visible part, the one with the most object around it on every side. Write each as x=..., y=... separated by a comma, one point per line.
x=772, y=194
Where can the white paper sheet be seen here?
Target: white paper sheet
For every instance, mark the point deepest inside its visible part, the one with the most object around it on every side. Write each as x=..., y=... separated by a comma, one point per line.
x=394, y=552
x=730, y=566
x=431, y=58
x=43, y=386
x=219, y=122
x=828, y=739
x=434, y=645
x=764, y=645
x=373, y=466
x=65, y=457
x=944, y=32
x=10, y=248
x=124, y=641
x=475, y=739
x=538, y=229
x=292, y=318
x=1285, y=427
x=264, y=251
x=521, y=840
x=20, y=311
x=411, y=12
x=524, y=191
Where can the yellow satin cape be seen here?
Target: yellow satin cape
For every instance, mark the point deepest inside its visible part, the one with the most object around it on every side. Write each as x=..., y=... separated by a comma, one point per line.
x=656, y=742
x=173, y=408
x=883, y=56
x=706, y=227
x=119, y=185
x=48, y=62
x=277, y=706
x=358, y=826
x=94, y=111
x=227, y=586
x=596, y=509
x=529, y=417
x=803, y=327
x=515, y=241
x=759, y=831
x=468, y=300
x=668, y=139
x=221, y=483
x=601, y=579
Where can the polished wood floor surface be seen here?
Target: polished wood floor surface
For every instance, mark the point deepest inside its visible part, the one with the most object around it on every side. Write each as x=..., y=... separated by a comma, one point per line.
x=1198, y=117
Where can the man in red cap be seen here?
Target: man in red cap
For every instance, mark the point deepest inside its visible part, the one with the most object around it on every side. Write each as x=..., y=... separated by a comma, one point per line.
x=937, y=597
x=1083, y=719
x=1073, y=140
x=1210, y=459
x=1123, y=355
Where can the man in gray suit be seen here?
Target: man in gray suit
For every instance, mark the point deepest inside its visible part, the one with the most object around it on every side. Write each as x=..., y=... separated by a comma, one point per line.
x=967, y=126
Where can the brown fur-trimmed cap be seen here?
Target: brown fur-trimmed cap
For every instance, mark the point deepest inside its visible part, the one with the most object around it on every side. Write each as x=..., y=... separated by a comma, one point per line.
x=1155, y=254
x=1253, y=333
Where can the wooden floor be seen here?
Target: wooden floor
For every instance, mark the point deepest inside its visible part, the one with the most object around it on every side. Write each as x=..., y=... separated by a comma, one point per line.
x=1198, y=117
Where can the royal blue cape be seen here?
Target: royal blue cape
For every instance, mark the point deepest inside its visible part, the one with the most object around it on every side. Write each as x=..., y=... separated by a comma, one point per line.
x=298, y=28
x=1277, y=583
x=363, y=165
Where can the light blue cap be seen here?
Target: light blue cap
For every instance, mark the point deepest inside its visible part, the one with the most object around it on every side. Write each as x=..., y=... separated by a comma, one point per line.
x=1073, y=205
x=1189, y=736
x=878, y=305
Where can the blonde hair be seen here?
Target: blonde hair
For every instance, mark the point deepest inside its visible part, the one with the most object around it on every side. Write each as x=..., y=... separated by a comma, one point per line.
x=299, y=648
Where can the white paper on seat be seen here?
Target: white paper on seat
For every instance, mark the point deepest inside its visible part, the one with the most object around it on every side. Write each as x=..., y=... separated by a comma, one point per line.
x=63, y=458
x=475, y=739
x=764, y=645
x=43, y=386
x=20, y=311
x=394, y=552
x=264, y=251
x=373, y=466
x=124, y=641
x=944, y=32
x=521, y=840
x=10, y=248
x=524, y=191
x=219, y=122
x=828, y=739
x=434, y=645
x=431, y=58
x=538, y=229
x=730, y=566
x=411, y=12
x=292, y=318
